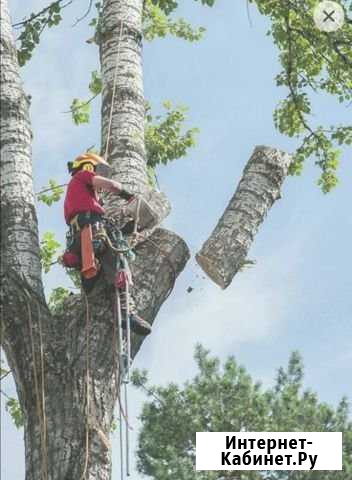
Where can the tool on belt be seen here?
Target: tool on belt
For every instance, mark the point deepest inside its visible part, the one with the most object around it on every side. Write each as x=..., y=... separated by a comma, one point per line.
x=82, y=224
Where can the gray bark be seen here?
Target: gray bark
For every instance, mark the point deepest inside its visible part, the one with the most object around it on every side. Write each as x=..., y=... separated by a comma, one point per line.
x=121, y=43
x=225, y=251
x=126, y=146
x=126, y=153
x=19, y=233
x=60, y=388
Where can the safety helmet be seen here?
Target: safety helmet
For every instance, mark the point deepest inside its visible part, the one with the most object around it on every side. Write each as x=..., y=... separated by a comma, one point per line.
x=89, y=160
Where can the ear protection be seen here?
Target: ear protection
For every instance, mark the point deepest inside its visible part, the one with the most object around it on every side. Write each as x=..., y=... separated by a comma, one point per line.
x=88, y=167
x=75, y=166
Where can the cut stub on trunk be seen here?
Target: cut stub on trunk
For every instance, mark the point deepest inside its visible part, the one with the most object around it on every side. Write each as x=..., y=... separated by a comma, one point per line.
x=149, y=209
x=225, y=251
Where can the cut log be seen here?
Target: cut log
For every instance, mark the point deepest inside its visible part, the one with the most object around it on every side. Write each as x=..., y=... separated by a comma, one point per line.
x=225, y=251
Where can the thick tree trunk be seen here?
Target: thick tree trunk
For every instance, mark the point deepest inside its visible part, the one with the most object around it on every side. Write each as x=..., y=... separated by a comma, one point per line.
x=46, y=356
x=126, y=145
x=121, y=41
x=53, y=360
x=123, y=126
x=19, y=233
x=225, y=251
x=64, y=367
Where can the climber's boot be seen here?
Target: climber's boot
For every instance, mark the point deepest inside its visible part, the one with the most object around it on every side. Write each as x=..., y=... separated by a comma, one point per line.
x=138, y=325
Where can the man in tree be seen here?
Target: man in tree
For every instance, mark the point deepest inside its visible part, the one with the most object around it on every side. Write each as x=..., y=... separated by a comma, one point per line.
x=84, y=212
x=79, y=376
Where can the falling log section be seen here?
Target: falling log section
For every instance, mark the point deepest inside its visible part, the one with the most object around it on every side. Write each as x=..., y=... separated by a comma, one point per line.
x=225, y=251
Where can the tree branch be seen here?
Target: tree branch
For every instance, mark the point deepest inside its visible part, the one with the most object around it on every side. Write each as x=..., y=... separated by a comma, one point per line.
x=225, y=251
x=36, y=15
x=85, y=14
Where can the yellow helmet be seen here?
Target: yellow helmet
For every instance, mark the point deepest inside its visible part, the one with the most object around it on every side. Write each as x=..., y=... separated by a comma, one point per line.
x=89, y=158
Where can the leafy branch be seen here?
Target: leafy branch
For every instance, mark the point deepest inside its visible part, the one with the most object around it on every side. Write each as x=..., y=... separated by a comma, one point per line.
x=168, y=6
x=56, y=299
x=156, y=23
x=13, y=407
x=312, y=61
x=164, y=138
x=224, y=397
x=48, y=249
x=81, y=109
x=4, y=372
x=56, y=191
x=34, y=26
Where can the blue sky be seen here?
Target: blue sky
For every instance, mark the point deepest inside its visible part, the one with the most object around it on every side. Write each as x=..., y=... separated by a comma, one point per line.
x=298, y=295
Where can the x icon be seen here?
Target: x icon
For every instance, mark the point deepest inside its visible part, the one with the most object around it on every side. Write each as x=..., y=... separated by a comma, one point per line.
x=329, y=16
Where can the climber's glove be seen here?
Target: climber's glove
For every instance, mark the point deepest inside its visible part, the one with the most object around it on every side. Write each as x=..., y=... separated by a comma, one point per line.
x=125, y=195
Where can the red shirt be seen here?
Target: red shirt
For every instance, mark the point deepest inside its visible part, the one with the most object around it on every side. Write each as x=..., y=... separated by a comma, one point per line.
x=81, y=196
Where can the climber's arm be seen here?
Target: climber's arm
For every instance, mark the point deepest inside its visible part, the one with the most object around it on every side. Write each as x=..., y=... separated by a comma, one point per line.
x=111, y=186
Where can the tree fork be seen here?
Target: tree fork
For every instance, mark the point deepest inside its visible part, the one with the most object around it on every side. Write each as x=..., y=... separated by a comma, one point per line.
x=225, y=251
x=65, y=343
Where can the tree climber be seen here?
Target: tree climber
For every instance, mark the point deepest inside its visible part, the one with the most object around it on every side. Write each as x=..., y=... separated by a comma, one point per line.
x=90, y=231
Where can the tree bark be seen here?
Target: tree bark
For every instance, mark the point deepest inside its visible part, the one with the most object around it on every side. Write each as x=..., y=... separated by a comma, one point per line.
x=123, y=127
x=64, y=366
x=225, y=251
x=19, y=232
x=126, y=145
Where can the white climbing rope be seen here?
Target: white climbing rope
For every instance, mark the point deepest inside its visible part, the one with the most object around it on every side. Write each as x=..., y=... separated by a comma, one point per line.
x=124, y=347
x=113, y=92
x=124, y=378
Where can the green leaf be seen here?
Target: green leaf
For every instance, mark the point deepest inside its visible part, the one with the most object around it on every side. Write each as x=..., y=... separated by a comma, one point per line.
x=48, y=249
x=224, y=398
x=53, y=195
x=166, y=139
x=312, y=63
x=156, y=23
x=56, y=300
x=13, y=407
x=80, y=110
x=33, y=28
x=95, y=85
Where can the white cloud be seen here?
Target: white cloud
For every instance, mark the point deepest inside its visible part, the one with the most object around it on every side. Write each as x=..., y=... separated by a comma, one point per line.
x=253, y=309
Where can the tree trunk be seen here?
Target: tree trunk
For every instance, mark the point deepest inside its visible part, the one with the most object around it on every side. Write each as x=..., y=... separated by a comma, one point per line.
x=123, y=121
x=53, y=360
x=64, y=366
x=19, y=232
x=126, y=145
x=121, y=45
x=225, y=251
